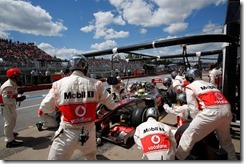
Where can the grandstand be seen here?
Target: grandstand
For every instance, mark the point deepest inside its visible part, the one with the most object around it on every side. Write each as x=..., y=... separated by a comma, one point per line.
x=27, y=56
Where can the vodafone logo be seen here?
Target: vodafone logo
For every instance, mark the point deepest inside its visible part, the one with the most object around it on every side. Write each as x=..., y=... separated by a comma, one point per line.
x=155, y=139
x=80, y=111
x=218, y=95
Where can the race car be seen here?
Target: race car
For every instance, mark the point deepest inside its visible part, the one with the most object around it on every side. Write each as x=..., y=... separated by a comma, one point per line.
x=118, y=125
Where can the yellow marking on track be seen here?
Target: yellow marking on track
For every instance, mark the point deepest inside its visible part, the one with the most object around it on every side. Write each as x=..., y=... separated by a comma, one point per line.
x=160, y=119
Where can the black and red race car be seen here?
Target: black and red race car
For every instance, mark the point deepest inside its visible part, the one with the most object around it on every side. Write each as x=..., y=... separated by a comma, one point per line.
x=118, y=125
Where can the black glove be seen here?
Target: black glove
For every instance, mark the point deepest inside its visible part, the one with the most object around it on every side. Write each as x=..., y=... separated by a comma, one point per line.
x=21, y=91
x=167, y=101
x=21, y=98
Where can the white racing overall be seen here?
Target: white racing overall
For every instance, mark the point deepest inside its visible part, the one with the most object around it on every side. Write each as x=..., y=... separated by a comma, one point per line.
x=211, y=112
x=179, y=84
x=156, y=140
x=182, y=113
x=119, y=90
x=76, y=96
x=48, y=119
x=215, y=77
x=8, y=97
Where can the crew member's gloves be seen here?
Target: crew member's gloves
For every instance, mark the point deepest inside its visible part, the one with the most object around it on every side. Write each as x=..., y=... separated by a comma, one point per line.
x=167, y=101
x=21, y=98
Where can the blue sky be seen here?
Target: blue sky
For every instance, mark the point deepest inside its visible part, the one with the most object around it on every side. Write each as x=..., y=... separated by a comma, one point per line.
x=66, y=27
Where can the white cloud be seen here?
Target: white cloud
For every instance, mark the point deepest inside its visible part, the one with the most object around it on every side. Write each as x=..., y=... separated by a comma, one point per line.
x=143, y=30
x=105, y=45
x=176, y=27
x=157, y=13
x=101, y=23
x=45, y=46
x=23, y=17
x=111, y=33
x=4, y=35
x=87, y=28
x=213, y=28
x=166, y=51
x=62, y=53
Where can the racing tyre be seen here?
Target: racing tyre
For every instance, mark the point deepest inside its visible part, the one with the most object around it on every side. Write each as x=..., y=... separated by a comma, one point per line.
x=138, y=116
x=197, y=148
x=180, y=131
x=205, y=149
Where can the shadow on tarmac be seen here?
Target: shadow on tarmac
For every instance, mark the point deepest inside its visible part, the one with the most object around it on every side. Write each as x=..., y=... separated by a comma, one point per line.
x=101, y=157
x=36, y=143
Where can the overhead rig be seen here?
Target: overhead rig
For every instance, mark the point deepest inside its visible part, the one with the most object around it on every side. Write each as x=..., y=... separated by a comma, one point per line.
x=188, y=40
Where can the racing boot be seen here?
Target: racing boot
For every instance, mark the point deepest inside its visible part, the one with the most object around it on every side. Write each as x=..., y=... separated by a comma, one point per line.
x=14, y=143
x=16, y=134
x=39, y=126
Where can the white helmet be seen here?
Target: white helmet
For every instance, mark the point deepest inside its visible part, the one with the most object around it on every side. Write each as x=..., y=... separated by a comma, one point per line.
x=152, y=112
x=192, y=75
x=78, y=62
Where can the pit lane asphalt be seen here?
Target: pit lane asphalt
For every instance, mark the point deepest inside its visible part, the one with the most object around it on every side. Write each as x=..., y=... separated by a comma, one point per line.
x=37, y=144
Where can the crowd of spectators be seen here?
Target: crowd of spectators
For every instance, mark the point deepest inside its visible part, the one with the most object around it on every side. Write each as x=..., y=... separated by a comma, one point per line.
x=120, y=66
x=24, y=54
x=27, y=55
x=99, y=62
x=20, y=54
